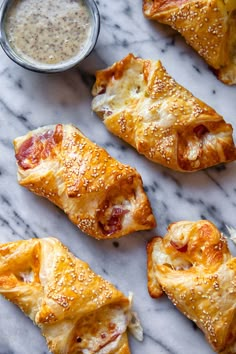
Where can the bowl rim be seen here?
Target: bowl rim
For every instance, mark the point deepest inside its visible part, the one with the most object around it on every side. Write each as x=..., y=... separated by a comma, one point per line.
x=48, y=68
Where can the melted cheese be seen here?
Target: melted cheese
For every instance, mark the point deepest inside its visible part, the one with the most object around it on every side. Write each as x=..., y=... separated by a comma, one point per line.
x=122, y=92
x=162, y=258
x=101, y=331
x=180, y=234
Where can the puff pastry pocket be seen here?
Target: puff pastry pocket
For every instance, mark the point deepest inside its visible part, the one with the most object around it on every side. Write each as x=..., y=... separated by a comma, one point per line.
x=208, y=26
x=103, y=197
x=139, y=102
x=193, y=266
x=77, y=310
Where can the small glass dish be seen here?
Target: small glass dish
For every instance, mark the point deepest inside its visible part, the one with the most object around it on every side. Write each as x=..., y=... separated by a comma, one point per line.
x=50, y=68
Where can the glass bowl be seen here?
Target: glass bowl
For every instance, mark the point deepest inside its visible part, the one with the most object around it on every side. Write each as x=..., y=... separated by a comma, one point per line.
x=50, y=68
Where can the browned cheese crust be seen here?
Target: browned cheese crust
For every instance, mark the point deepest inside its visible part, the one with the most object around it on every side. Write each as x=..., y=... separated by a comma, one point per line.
x=208, y=26
x=102, y=196
x=77, y=310
x=139, y=102
x=193, y=266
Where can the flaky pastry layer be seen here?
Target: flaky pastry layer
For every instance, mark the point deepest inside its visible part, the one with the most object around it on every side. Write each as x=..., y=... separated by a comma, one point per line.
x=193, y=266
x=139, y=102
x=77, y=310
x=209, y=26
x=100, y=195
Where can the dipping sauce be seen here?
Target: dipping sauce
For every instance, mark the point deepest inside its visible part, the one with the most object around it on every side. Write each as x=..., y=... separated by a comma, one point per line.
x=48, y=31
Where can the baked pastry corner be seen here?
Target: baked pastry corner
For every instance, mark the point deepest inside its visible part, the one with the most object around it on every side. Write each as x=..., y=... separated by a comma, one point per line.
x=143, y=105
x=100, y=195
x=192, y=265
x=208, y=26
x=77, y=310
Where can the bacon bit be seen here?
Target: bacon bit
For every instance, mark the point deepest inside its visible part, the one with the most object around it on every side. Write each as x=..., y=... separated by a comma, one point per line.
x=103, y=335
x=25, y=150
x=106, y=112
x=38, y=147
x=108, y=341
x=58, y=134
x=103, y=90
x=164, y=4
x=200, y=130
x=179, y=248
x=114, y=223
x=118, y=211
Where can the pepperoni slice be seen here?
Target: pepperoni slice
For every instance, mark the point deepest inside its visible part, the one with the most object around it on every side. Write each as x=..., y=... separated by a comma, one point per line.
x=38, y=148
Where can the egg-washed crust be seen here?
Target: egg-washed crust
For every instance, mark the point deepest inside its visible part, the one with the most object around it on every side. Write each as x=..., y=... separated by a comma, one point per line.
x=208, y=26
x=77, y=310
x=139, y=102
x=100, y=195
x=193, y=266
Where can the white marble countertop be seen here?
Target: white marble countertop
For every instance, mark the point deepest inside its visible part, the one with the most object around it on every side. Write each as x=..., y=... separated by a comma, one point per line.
x=29, y=100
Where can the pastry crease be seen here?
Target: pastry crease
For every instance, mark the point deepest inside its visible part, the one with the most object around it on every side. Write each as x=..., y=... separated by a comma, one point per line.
x=193, y=266
x=100, y=195
x=77, y=310
x=208, y=26
x=143, y=105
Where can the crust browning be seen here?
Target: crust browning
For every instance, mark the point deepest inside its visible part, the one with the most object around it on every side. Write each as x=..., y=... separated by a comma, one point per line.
x=140, y=103
x=76, y=310
x=102, y=196
x=208, y=26
x=193, y=266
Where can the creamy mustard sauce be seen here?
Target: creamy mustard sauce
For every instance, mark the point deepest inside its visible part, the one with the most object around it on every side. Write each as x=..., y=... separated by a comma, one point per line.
x=48, y=31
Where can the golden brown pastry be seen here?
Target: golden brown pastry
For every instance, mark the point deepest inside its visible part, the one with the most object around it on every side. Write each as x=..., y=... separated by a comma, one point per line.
x=193, y=266
x=139, y=102
x=77, y=311
x=209, y=26
x=103, y=197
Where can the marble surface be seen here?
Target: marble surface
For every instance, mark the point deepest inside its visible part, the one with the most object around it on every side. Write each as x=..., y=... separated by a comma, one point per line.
x=28, y=100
